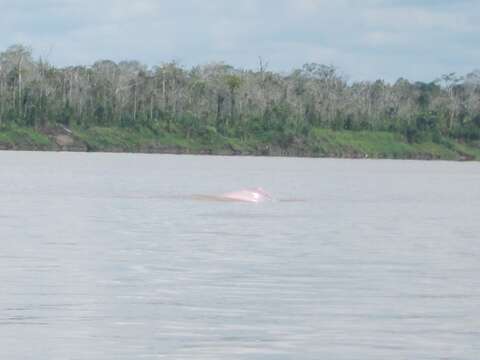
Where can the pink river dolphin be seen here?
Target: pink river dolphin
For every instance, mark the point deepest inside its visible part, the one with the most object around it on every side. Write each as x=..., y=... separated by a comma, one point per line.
x=255, y=195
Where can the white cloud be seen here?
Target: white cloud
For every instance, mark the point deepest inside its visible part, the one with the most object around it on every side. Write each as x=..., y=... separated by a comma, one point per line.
x=386, y=38
x=414, y=18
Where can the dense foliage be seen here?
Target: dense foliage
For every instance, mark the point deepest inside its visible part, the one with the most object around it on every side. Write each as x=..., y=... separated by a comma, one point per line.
x=219, y=99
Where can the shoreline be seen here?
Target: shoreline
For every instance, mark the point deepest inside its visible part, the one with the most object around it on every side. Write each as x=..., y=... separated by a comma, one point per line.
x=329, y=145
x=227, y=154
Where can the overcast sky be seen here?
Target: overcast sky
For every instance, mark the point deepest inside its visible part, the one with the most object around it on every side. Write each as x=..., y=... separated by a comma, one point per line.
x=365, y=39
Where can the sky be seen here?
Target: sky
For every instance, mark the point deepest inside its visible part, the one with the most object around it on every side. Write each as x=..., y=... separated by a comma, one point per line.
x=364, y=39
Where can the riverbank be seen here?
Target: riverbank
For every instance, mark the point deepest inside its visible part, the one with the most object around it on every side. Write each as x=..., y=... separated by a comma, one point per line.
x=318, y=143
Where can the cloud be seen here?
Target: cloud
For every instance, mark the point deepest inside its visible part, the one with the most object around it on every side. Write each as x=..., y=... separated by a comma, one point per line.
x=366, y=39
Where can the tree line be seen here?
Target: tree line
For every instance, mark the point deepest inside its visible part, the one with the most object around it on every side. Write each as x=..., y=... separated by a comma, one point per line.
x=217, y=98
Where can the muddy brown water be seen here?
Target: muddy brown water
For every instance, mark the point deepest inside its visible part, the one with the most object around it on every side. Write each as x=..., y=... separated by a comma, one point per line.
x=111, y=256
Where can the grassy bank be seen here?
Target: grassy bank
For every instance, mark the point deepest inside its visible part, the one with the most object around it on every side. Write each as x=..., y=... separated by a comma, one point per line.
x=17, y=137
x=318, y=143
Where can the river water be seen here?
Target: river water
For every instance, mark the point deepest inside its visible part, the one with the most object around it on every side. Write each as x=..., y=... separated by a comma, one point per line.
x=113, y=256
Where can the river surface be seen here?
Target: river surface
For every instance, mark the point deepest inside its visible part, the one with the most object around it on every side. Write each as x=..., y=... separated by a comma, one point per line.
x=114, y=256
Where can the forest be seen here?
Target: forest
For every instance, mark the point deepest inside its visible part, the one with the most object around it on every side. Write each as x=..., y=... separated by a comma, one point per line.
x=216, y=101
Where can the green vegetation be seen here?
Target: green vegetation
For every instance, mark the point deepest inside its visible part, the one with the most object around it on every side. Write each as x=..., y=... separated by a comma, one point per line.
x=215, y=108
x=27, y=138
x=317, y=143
x=374, y=144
